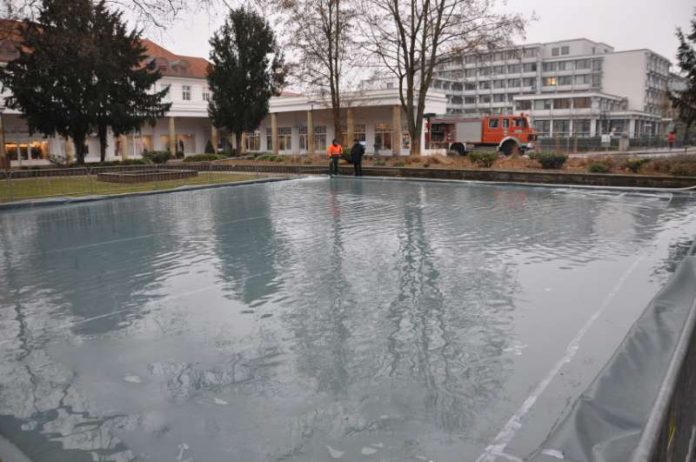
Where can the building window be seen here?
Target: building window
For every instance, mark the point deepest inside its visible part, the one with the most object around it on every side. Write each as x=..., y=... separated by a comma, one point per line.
x=359, y=131
x=550, y=82
x=320, y=137
x=582, y=64
x=529, y=82
x=470, y=100
x=542, y=104
x=484, y=71
x=499, y=98
x=565, y=50
x=561, y=103
x=582, y=126
x=543, y=127
x=186, y=92
x=469, y=86
x=514, y=68
x=524, y=105
x=549, y=67
x=583, y=79
x=582, y=103
x=485, y=85
x=530, y=52
x=303, y=139
x=383, y=134
x=565, y=80
x=561, y=127
x=554, y=51
x=513, y=83
x=206, y=95
x=529, y=67
x=499, y=84
x=597, y=65
x=485, y=99
x=284, y=138
x=253, y=141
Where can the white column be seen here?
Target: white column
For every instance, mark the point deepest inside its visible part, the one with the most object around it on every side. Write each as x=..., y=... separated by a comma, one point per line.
x=4, y=162
x=274, y=133
x=396, y=130
x=172, y=137
x=310, y=133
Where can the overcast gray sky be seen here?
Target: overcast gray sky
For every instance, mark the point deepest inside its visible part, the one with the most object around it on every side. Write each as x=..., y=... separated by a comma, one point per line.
x=623, y=24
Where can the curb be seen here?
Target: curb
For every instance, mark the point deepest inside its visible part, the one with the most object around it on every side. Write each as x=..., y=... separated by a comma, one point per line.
x=64, y=200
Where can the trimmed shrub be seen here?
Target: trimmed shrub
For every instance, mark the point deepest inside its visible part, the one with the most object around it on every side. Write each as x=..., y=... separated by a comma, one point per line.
x=635, y=164
x=209, y=148
x=598, y=167
x=132, y=162
x=483, y=159
x=346, y=155
x=549, y=160
x=157, y=157
x=379, y=163
x=399, y=163
x=204, y=158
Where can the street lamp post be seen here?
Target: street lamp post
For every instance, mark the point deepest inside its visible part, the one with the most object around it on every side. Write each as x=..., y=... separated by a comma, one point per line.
x=4, y=161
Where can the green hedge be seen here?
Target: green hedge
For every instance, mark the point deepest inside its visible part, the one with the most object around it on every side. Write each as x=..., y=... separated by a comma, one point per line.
x=551, y=160
x=204, y=158
x=483, y=159
x=157, y=157
x=598, y=167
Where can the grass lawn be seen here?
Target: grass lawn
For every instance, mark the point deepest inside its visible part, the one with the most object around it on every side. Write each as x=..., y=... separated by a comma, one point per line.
x=33, y=188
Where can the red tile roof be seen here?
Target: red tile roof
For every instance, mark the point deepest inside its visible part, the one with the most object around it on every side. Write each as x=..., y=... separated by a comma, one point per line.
x=169, y=63
x=174, y=65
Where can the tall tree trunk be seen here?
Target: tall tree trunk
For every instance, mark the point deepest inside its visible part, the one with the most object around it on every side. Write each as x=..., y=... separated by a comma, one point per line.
x=102, y=132
x=238, y=139
x=686, y=132
x=79, y=142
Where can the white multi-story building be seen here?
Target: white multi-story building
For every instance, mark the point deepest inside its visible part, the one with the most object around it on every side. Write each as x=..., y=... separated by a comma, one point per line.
x=568, y=87
x=186, y=125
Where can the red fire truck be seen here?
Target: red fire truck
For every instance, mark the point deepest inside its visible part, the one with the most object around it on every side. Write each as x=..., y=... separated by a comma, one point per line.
x=509, y=133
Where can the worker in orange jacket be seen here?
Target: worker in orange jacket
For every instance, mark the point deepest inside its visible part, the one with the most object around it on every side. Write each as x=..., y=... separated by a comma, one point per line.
x=334, y=152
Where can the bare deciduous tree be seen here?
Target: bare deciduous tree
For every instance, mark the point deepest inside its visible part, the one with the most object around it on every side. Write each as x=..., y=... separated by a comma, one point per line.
x=158, y=13
x=411, y=38
x=321, y=40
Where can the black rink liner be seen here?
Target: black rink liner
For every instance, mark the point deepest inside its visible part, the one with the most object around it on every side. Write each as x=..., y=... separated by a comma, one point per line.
x=642, y=405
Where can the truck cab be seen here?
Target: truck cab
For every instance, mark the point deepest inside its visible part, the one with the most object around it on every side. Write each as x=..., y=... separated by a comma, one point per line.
x=510, y=133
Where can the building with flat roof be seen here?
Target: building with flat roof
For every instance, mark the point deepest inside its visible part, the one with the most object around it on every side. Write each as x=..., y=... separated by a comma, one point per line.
x=569, y=87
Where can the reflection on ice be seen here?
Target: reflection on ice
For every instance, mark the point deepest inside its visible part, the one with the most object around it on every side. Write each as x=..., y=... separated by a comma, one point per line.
x=310, y=320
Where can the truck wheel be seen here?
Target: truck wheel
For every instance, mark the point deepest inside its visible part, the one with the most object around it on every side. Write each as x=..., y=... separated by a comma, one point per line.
x=459, y=148
x=509, y=147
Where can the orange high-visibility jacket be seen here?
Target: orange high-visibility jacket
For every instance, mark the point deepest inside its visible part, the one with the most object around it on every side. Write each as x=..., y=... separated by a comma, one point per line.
x=334, y=151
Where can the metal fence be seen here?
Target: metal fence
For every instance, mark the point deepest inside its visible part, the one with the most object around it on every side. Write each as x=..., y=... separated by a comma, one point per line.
x=573, y=144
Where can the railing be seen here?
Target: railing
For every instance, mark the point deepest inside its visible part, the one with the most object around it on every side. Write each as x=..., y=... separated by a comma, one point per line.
x=670, y=433
x=569, y=143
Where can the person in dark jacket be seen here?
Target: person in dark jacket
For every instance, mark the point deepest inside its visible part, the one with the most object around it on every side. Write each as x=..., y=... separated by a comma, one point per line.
x=356, y=154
